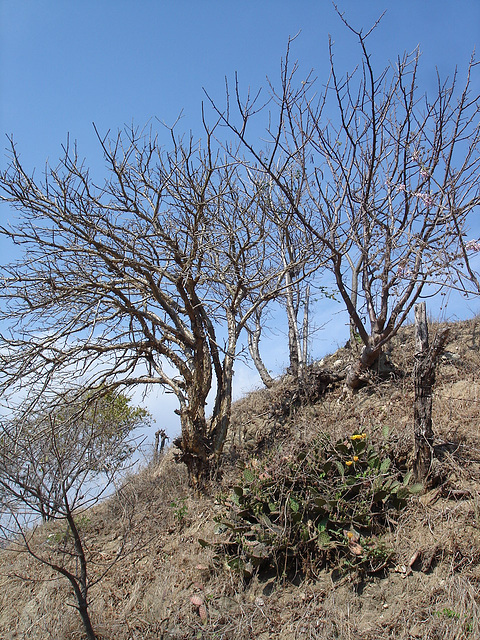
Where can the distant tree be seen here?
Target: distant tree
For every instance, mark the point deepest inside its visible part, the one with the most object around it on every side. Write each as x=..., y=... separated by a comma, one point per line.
x=50, y=462
x=386, y=180
x=149, y=279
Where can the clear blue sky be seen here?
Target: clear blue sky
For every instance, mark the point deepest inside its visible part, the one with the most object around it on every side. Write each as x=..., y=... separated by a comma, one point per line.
x=65, y=64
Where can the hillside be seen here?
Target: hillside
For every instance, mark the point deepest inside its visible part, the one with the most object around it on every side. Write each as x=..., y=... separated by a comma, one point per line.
x=165, y=584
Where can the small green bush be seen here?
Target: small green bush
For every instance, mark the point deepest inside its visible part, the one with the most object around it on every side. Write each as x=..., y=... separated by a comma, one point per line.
x=325, y=506
x=180, y=510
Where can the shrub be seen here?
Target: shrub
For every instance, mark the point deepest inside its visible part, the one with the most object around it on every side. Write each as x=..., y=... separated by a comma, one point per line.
x=326, y=506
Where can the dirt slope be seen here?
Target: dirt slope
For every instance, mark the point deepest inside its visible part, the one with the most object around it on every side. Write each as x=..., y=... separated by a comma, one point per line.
x=148, y=593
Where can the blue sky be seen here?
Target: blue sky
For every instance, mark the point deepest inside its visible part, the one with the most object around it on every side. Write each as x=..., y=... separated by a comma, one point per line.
x=65, y=64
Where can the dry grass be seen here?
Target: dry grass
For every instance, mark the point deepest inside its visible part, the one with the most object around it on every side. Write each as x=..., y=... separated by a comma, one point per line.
x=147, y=594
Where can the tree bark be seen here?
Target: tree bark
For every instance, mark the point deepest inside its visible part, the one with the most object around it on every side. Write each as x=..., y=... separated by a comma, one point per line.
x=306, y=329
x=80, y=583
x=424, y=379
x=368, y=357
x=87, y=624
x=254, y=348
x=223, y=405
x=294, y=346
x=195, y=448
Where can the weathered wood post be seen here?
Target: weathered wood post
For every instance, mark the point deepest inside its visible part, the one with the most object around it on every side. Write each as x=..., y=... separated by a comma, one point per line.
x=424, y=379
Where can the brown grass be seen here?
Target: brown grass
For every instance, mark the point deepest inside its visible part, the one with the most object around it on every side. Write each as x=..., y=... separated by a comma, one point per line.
x=147, y=594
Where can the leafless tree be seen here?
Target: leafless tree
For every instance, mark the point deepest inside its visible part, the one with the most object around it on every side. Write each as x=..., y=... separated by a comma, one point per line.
x=148, y=279
x=49, y=461
x=386, y=180
x=302, y=272
x=295, y=301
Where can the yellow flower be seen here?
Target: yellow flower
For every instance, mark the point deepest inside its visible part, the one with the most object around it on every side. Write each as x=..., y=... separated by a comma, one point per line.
x=355, y=458
x=349, y=463
x=358, y=436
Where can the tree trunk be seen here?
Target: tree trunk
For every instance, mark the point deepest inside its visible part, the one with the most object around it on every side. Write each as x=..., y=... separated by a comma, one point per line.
x=79, y=584
x=87, y=624
x=82, y=607
x=195, y=448
x=424, y=377
x=368, y=357
x=306, y=330
x=294, y=346
x=354, y=296
x=254, y=348
x=223, y=405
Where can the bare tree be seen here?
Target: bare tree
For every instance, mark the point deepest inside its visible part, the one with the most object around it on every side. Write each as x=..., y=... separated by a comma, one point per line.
x=248, y=272
x=49, y=461
x=301, y=272
x=386, y=179
x=148, y=279
x=295, y=300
